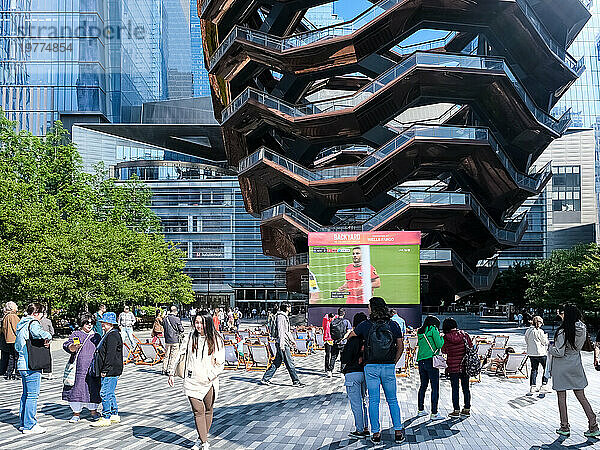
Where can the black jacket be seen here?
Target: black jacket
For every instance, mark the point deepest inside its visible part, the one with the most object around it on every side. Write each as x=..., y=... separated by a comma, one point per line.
x=108, y=359
x=352, y=355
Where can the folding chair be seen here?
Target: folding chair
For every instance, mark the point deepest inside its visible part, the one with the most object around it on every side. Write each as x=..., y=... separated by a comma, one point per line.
x=133, y=354
x=402, y=366
x=412, y=341
x=232, y=360
x=244, y=334
x=483, y=348
x=229, y=337
x=302, y=346
x=500, y=341
x=495, y=353
x=514, y=365
x=259, y=357
x=272, y=349
x=302, y=335
x=263, y=339
x=319, y=341
x=149, y=354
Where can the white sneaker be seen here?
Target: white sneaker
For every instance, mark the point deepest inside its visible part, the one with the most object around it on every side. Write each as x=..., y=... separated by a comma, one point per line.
x=532, y=390
x=329, y=374
x=115, y=419
x=198, y=445
x=436, y=416
x=206, y=446
x=545, y=389
x=37, y=429
x=74, y=419
x=422, y=413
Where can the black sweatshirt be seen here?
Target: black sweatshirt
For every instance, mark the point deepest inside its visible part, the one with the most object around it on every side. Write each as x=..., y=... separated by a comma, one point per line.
x=110, y=355
x=352, y=355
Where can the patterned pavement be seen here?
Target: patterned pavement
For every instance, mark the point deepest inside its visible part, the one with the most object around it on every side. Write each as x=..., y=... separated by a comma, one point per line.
x=251, y=416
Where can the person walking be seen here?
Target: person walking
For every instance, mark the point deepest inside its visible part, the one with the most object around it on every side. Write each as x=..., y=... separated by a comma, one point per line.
x=567, y=371
x=536, y=341
x=430, y=343
x=158, y=327
x=327, y=341
x=203, y=351
x=29, y=328
x=216, y=320
x=126, y=321
x=108, y=366
x=9, y=330
x=383, y=348
x=98, y=318
x=3, y=345
x=455, y=346
x=85, y=391
x=46, y=324
x=352, y=359
x=173, y=329
x=284, y=344
x=338, y=329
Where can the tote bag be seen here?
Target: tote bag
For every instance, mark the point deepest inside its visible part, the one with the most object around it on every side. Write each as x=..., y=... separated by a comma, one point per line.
x=71, y=367
x=38, y=355
x=181, y=363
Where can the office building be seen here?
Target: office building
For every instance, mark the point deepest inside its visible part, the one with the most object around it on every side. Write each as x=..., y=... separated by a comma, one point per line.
x=303, y=164
x=196, y=196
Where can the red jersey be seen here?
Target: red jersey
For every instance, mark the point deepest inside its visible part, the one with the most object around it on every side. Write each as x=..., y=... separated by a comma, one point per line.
x=217, y=322
x=354, y=280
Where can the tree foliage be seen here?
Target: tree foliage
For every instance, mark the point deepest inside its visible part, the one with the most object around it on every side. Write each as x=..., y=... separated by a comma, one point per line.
x=74, y=240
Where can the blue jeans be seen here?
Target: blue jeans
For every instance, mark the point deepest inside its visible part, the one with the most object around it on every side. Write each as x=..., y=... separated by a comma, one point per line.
x=382, y=375
x=31, y=380
x=428, y=373
x=109, y=399
x=127, y=333
x=356, y=388
x=536, y=361
x=283, y=355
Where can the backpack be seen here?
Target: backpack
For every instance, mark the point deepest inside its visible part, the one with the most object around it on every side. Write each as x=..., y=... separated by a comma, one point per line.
x=337, y=329
x=471, y=364
x=273, y=327
x=381, y=345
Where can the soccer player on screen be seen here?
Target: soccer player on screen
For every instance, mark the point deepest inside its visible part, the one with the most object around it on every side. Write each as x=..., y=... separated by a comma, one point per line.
x=354, y=278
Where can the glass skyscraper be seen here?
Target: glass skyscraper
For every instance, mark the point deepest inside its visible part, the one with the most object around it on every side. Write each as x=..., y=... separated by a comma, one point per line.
x=98, y=61
x=199, y=73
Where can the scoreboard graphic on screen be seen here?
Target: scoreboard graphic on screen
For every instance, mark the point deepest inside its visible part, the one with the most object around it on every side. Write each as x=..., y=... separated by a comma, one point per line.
x=351, y=267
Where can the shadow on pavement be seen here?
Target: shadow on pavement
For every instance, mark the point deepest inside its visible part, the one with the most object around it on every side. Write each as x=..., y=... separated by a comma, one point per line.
x=160, y=435
x=559, y=444
x=6, y=416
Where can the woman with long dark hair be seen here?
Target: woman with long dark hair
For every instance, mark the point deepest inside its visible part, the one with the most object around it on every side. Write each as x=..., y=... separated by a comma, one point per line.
x=455, y=346
x=567, y=371
x=430, y=344
x=203, y=351
x=383, y=349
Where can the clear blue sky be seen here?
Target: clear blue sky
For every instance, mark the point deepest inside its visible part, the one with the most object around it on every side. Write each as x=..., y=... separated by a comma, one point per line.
x=348, y=9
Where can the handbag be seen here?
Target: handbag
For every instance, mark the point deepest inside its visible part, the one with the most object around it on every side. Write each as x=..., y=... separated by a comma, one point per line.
x=38, y=355
x=181, y=366
x=587, y=345
x=71, y=367
x=439, y=362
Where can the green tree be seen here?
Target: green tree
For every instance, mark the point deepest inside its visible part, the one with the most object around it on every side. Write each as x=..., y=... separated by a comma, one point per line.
x=74, y=240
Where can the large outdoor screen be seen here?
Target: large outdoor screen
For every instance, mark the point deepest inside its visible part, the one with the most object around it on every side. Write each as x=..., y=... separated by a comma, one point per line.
x=351, y=267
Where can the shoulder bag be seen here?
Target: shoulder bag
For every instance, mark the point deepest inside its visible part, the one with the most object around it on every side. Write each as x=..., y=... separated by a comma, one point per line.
x=181, y=366
x=587, y=345
x=71, y=367
x=38, y=355
x=439, y=362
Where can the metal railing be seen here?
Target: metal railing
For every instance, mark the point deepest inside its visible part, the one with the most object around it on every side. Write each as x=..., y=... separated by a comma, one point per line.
x=416, y=59
x=531, y=182
x=349, y=27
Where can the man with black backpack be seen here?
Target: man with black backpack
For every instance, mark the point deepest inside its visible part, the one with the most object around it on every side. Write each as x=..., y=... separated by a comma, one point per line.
x=338, y=329
x=280, y=331
x=383, y=348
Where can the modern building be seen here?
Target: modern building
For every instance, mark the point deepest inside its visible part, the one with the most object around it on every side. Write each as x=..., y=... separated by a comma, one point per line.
x=81, y=61
x=305, y=164
x=196, y=196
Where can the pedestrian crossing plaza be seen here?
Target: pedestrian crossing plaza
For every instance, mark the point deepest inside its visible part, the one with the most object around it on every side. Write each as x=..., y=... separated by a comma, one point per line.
x=252, y=416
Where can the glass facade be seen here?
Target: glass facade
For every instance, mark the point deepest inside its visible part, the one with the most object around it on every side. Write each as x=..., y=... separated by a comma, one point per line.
x=79, y=56
x=201, y=88
x=202, y=212
x=566, y=188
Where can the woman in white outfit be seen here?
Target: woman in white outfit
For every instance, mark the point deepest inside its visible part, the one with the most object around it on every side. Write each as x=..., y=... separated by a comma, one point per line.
x=204, y=353
x=537, y=349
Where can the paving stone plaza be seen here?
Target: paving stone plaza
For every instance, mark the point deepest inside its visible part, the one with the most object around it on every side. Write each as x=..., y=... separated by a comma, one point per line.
x=251, y=416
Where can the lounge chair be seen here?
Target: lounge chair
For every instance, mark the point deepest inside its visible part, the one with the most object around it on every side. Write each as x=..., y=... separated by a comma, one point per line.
x=319, y=341
x=259, y=357
x=302, y=346
x=500, y=341
x=513, y=368
x=232, y=360
x=150, y=354
x=483, y=349
x=402, y=366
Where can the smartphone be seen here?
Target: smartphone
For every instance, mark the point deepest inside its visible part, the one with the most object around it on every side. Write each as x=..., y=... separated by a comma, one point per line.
x=76, y=340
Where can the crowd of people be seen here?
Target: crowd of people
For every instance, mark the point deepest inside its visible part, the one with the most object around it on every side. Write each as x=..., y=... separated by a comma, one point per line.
x=368, y=348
